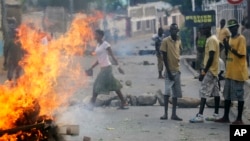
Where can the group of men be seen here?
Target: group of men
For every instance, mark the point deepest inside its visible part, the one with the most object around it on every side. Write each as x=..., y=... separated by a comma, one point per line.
x=231, y=47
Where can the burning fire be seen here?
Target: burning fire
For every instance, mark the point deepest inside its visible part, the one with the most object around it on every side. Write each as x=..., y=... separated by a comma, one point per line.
x=42, y=88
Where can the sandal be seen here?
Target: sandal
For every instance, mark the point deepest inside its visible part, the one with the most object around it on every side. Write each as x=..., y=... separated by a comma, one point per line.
x=123, y=107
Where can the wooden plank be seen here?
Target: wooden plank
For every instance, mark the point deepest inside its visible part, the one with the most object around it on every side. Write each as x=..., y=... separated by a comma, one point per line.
x=21, y=128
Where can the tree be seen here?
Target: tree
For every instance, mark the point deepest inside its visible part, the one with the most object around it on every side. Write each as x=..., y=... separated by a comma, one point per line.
x=109, y=6
x=81, y=5
x=185, y=5
x=78, y=5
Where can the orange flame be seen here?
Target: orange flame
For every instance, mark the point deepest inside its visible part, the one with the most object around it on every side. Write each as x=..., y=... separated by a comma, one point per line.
x=46, y=69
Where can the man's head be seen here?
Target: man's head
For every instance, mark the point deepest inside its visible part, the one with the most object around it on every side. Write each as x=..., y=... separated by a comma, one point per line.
x=12, y=25
x=222, y=22
x=233, y=26
x=160, y=31
x=174, y=30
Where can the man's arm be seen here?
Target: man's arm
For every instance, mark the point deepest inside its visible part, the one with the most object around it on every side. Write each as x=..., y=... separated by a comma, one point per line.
x=228, y=48
x=209, y=61
x=165, y=60
x=236, y=53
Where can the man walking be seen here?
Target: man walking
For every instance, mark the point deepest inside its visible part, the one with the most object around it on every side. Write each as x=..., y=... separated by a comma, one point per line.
x=209, y=76
x=171, y=47
x=236, y=72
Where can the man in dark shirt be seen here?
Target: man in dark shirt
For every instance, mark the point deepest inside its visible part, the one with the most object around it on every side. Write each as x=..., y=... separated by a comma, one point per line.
x=158, y=40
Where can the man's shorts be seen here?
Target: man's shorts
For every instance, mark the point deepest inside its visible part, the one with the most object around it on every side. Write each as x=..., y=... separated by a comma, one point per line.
x=233, y=90
x=175, y=85
x=209, y=86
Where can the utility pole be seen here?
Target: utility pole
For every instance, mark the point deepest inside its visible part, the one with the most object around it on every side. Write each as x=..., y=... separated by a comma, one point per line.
x=105, y=23
x=3, y=19
x=194, y=28
x=248, y=11
x=235, y=11
x=71, y=8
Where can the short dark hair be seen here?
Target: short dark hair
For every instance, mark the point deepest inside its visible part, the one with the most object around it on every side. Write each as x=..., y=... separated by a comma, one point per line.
x=160, y=31
x=173, y=25
x=223, y=20
x=100, y=32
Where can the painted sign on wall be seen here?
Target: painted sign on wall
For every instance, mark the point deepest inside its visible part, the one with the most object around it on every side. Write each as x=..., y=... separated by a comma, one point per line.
x=199, y=18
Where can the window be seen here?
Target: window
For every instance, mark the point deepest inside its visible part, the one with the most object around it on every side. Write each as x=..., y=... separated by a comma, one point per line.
x=138, y=25
x=165, y=19
x=174, y=19
x=147, y=24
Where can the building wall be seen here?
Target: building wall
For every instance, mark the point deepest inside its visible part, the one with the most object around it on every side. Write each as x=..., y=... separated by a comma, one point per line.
x=143, y=19
x=150, y=19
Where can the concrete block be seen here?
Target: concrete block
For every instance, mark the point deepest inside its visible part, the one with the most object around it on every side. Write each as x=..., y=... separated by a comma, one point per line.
x=72, y=130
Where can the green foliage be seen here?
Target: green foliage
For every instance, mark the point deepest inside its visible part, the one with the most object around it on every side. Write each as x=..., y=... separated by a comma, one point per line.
x=79, y=5
x=186, y=5
x=186, y=35
x=23, y=1
x=63, y=3
x=83, y=5
x=113, y=5
x=44, y=3
x=109, y=5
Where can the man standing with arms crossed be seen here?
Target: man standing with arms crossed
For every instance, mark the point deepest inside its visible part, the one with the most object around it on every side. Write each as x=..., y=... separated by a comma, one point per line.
x=209, y=76
x=170, y=48
x=236, y=72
